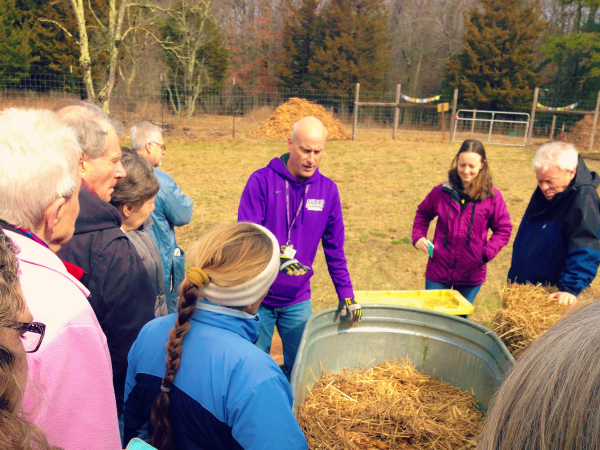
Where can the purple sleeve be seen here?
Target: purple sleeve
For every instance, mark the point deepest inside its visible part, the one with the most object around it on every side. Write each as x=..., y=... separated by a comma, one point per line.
x=253, y=202
x=333, y=246
x=500, y=225
x=425, y=214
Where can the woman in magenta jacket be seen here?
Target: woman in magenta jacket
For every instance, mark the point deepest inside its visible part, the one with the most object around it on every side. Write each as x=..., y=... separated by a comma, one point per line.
x=467, y=205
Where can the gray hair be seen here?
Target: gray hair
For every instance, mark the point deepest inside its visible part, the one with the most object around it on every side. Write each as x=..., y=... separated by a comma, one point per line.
x=550, y=398
x=87, y=120
x=39, y=156
x=139, y=185
x=307, y=117
x=555, y=154
x=143, y=133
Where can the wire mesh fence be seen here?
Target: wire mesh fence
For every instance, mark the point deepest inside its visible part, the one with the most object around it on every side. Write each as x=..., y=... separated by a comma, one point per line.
x=418, y=118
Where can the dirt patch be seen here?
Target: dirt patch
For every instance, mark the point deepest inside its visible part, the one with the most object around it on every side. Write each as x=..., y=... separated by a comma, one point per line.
x=279, y=125
x=277, y=350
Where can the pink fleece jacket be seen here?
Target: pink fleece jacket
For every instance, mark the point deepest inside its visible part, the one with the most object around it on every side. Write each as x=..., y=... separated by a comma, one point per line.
x=69, y=395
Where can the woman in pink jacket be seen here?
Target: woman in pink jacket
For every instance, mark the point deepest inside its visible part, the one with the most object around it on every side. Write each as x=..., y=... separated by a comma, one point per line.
x=69, y=393
x=18, y=335
x=467, y=205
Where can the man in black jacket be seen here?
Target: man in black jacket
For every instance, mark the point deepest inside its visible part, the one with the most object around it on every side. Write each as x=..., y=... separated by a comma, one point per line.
x=122, y=295
x=557, y=242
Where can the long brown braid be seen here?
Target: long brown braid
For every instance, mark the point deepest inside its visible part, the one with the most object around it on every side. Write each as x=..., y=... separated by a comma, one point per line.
x=159, y=418
x=231, y=254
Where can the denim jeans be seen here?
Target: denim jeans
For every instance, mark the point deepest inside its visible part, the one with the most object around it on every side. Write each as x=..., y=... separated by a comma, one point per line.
x=290, y=322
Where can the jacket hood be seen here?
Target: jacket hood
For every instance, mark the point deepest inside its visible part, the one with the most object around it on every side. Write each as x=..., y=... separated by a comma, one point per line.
x=279, y=166
x=539, y=204
x=95, y=214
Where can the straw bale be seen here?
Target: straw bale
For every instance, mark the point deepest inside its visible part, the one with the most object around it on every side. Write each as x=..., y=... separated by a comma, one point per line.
x=527, y=312
x=279, y=125
x=391, y=406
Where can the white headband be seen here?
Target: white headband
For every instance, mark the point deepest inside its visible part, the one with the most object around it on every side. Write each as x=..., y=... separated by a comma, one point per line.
x=249, y=292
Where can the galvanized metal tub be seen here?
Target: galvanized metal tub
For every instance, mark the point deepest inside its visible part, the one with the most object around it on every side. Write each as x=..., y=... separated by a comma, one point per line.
x=460, y=352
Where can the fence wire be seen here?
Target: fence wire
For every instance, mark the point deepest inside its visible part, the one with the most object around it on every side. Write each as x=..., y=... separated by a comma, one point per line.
x=251, y=106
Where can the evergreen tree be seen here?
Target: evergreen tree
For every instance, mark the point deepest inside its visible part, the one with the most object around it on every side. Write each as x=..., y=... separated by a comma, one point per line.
x=495, y=71
x=15, y=39
x=575, y=58
x=355, y=48
x=301, y=34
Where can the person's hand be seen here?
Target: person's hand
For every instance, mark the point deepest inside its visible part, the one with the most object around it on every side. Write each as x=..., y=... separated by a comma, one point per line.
x=564, y=298
x=291, y=266
x=349, y=310
x=423, y=245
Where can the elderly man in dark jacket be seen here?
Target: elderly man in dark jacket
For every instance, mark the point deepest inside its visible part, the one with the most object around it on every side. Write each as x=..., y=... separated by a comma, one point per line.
x=122, y=295
x=557, y=242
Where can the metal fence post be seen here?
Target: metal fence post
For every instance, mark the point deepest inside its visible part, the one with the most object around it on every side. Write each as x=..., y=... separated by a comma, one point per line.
x=356, y=95
x=532, y=120
x=553, y=125
x=473, y=122
x=454, y=105
x=396, y=110
x=594, y=124
x=162, y=114
x=233, y=105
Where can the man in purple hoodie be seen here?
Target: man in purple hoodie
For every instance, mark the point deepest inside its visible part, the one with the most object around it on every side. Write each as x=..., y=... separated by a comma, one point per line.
x=301, y=208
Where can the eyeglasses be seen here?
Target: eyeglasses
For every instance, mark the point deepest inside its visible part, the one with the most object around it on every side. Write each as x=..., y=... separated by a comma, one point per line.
x=32, y=334
x=163, y=147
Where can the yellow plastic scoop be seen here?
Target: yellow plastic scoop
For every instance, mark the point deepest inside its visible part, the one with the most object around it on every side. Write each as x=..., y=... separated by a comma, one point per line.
x=446, y=300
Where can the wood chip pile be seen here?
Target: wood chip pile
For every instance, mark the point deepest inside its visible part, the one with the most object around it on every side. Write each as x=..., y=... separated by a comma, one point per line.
x=279, y=125
x=391, y=406
x=527, y=312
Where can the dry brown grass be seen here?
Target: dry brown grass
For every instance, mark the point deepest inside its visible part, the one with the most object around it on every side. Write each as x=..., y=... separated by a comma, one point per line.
x=381, y=182
x=527, y=312
x=390, y=406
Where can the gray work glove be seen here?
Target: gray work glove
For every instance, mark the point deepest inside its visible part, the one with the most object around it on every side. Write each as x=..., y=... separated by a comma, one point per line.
x=349, y=310
x=291, y=266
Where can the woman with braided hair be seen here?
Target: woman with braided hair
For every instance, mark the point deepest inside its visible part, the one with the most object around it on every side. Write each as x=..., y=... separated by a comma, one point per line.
x=219, y=391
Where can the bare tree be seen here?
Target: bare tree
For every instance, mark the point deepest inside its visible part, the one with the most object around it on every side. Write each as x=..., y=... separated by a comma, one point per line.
x=424, y=34
x=114, y=34
x=134, y=49
x=185, y=31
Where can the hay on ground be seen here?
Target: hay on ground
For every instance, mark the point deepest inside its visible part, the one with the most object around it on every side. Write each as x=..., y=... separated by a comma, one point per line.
x=527, y=312
x=580, y=135
x=391, y=406
x=279, y=125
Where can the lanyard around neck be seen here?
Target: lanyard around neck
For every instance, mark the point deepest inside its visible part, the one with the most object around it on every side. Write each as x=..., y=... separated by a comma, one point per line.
x=287, y=205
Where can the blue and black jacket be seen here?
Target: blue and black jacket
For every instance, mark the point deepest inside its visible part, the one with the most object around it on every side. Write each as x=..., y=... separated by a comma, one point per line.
x=227, y=393
x=557, y=242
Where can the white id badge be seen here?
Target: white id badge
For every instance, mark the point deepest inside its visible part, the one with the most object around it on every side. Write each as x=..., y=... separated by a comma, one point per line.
x=289, y=252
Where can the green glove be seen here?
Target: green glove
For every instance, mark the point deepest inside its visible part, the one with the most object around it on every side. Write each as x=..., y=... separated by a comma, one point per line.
x=291, y=266
x=349, y=310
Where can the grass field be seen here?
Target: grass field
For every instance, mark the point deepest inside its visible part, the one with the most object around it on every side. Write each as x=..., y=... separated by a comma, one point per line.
x=381, y=182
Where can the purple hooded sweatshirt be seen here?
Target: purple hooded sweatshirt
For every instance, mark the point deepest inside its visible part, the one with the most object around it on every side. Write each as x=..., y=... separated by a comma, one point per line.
x=461, y=247
x=319, y=220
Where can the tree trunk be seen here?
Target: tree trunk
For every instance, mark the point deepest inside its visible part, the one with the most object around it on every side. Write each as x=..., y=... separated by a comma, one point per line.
x=84, y=59
x=115, y=25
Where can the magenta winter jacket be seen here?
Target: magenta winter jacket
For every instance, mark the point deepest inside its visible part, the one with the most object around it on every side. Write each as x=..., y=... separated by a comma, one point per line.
x=461, y=245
